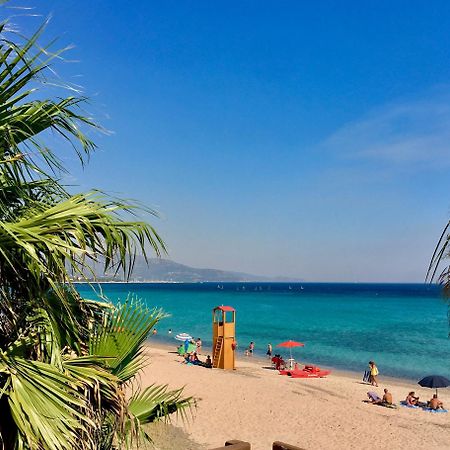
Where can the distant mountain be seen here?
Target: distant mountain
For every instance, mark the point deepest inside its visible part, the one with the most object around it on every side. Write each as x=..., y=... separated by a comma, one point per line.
x=169, y=271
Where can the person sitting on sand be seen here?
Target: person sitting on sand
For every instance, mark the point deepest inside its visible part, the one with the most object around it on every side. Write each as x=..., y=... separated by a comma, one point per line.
x=435, y=403
x=193, y=359
x=208, y=362
x=387, y=398
x=411, y=399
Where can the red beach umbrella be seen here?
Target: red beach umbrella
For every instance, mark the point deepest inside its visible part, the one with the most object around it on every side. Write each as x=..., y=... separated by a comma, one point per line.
x=290, y=345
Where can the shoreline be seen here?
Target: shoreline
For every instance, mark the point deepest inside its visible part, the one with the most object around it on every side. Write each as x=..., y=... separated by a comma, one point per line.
x=160, y=344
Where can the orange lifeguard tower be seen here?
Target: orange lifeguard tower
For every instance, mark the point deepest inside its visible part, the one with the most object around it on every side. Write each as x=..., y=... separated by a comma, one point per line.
x=224, y=343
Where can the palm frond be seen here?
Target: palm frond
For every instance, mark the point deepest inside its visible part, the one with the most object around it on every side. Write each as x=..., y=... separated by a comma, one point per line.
x=158, y=402
x=121, y=337
x=71, y=232
x=441, y=253
x=45, y=404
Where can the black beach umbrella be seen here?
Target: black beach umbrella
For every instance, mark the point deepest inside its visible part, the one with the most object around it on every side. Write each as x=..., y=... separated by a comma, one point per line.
x=434, y=382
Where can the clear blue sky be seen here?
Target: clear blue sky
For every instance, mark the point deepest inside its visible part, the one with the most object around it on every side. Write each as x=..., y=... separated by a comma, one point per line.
x=307, y=139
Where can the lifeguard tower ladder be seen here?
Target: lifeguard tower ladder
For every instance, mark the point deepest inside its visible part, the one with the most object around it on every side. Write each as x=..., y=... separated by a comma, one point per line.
x=224, y=343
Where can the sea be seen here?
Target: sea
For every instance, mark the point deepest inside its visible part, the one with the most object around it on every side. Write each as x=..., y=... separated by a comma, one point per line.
x=404, y=328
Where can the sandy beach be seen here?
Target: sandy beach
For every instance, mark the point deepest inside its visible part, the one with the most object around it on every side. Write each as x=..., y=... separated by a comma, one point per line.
x=256, y=404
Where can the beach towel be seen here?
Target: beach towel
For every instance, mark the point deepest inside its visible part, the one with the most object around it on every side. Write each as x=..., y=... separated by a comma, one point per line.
x=387, y=405
x=435, y=410
x=405, y=405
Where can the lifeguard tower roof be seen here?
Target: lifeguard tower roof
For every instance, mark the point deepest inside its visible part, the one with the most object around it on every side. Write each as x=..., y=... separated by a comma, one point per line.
x=225, y=308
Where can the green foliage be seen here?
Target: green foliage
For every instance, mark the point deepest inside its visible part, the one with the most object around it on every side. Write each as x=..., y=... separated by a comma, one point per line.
x=65, y=362
x=441, y=253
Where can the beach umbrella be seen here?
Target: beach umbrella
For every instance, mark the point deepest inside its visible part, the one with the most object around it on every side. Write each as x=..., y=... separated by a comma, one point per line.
x=290, y=345
x=434, y=382
x=183, y=337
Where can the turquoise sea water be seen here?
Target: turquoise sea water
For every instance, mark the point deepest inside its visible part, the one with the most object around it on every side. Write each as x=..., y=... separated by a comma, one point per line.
x=403, y=327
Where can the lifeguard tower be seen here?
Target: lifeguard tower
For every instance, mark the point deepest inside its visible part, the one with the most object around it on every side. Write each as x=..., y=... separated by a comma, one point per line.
x=224, y=343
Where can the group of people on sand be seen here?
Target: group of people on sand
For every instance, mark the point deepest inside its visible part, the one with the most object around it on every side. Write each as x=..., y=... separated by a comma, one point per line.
x=433, y=403
x=192, y=358
x=411, y=399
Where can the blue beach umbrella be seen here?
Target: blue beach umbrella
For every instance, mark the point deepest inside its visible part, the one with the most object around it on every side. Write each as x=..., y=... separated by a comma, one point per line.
x=434, y=382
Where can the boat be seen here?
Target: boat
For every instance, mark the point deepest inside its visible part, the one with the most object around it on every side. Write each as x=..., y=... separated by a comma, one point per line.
x=306, y=372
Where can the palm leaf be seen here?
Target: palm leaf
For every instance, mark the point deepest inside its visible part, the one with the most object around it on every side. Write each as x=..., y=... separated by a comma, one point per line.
x=158, y=402
x=45, y=404
x=122, y=335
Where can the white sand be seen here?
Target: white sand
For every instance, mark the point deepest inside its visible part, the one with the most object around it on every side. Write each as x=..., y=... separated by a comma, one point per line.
x=258, y=405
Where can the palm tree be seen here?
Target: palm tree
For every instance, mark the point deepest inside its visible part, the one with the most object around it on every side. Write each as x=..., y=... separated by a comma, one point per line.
x=441, y=253
x=65, y=362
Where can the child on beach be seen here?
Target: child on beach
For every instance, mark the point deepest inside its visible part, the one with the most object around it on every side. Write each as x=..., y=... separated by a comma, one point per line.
x=269, y=350
x=251, y=347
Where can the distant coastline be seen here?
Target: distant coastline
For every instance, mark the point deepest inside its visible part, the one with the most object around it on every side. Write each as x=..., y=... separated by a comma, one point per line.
x=158, y=270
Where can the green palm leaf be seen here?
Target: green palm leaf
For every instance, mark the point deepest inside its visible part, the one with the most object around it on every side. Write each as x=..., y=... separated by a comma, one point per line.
x=122, y=335
x=45, y=404
x=64, y=361
x=158, y=402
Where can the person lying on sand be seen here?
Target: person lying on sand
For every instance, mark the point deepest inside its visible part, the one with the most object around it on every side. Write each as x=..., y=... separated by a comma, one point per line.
x=435, y=403
x=376, y=400
x=373, y=397
x=411, y=399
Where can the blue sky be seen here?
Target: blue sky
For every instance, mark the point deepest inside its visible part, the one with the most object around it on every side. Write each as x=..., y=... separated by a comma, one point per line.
x=307, y=139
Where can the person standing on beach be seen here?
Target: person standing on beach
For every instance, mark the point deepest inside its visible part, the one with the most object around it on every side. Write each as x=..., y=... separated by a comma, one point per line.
x=251, y=347
x=373, y=374
x=269, y=350
x=199, y=345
